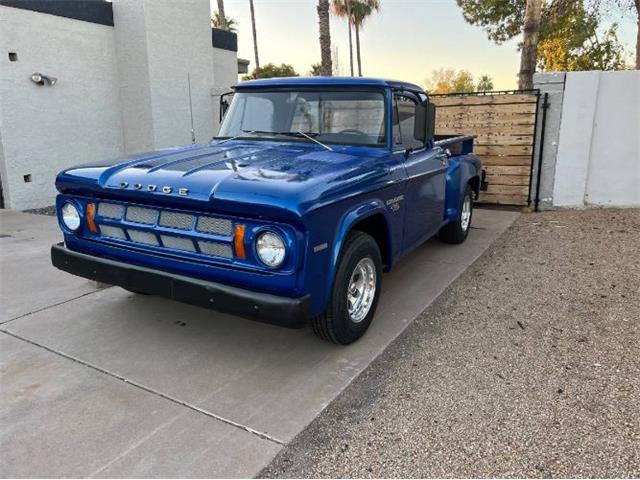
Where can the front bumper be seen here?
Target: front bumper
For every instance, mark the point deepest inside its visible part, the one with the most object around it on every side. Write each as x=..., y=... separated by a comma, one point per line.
x=264, y=307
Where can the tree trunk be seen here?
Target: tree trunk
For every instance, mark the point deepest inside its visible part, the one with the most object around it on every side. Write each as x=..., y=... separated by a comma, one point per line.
x=528, y=58
x=222, y=15
x=325, y=38
x=255, y=36
x=348, y=3
x=358, y=48
x=638, y=36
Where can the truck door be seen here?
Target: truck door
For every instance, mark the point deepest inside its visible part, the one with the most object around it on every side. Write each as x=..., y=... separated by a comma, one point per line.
x=426, y=170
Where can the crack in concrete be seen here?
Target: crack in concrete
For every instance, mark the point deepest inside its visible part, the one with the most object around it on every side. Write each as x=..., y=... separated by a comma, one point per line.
x=263, y=435
x=49, y=306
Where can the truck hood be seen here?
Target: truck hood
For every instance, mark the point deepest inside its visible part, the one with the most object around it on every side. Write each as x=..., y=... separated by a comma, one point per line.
x=284, y=175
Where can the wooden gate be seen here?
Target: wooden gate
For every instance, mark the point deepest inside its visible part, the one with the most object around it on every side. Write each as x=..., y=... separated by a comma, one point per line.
x=504, y=124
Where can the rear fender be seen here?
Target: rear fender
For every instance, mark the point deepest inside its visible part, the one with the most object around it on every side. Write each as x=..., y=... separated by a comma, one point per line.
x=461, y=169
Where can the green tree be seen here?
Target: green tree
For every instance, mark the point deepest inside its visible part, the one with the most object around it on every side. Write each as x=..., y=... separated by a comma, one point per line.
x=228, y=24
x=316, y=70
x=450, y=81
x=485, y=84
x=568, y=28
x=571, y=40
x=631, y=7
x=356, y=11
x=270, y=70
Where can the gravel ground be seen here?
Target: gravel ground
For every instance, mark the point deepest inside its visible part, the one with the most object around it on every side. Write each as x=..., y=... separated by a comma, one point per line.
x=51, y=210
x=527, y=366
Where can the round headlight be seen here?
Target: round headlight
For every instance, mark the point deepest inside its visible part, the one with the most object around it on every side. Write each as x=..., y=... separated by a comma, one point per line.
x=70, y=216
x=271, y=249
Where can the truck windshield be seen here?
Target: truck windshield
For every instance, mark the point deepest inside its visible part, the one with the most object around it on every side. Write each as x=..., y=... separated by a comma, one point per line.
x=342, y=117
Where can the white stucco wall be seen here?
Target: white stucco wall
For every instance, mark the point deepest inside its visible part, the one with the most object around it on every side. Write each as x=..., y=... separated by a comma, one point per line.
x=48, y=128
x=225, y=73
x=598, y=160
x=159, y=42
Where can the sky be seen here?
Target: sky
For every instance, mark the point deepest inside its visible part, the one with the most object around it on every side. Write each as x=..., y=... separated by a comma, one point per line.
x=406, y=41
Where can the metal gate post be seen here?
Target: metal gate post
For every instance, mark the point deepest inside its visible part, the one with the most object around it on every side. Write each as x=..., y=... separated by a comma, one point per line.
x=545, y=107
x=533, y=153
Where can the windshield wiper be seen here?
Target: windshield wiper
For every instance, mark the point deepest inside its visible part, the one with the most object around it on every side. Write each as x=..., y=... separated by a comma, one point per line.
x=308, y=135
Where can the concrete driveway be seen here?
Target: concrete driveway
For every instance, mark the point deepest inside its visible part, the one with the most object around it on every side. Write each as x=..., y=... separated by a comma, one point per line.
x=101, y=382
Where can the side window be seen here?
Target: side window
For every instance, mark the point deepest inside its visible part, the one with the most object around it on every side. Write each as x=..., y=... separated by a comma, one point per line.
x=404, y=120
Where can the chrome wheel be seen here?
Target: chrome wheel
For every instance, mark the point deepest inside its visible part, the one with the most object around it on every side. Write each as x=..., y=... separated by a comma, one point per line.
x=362, y=290
x=465, y=215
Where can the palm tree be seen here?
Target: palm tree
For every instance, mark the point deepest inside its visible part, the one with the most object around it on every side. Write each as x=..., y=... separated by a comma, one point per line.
x=360, y=11
x=342, y=8
x=485, y=84
x=255, y=36
x=357, y=12
x=325, y=37
x=228, y=24
x=222, y=17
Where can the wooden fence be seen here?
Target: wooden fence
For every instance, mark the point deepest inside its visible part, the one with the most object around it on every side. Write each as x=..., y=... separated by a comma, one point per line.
x=504, y=124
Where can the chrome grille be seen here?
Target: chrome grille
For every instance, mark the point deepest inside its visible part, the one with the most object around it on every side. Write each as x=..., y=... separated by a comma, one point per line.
x=147, y=234
x=113, y=232
x=143, y=237
x=178, y=243
x=142, y=215
x=182, y=221
x=216, y=249
x=217, y=226
x=110, y=210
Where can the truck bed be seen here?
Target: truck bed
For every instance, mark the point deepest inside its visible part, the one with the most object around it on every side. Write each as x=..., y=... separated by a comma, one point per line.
x=456, y=144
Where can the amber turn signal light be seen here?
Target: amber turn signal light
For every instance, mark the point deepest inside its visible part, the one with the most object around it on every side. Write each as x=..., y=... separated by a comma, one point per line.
x=91, y=213
x=238, y=241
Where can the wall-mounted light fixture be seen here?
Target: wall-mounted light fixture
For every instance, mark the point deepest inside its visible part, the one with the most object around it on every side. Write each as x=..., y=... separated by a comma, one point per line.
x=40, y=79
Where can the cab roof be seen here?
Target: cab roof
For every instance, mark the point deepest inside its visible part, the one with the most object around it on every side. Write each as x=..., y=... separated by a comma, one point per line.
x=290, y=82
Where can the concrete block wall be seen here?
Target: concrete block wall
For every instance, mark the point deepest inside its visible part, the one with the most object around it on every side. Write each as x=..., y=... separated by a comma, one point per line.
x=592, y=145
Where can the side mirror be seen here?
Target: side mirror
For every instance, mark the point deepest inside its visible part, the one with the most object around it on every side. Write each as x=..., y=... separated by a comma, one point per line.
x=425, y=124
x=225, y=102
x=420, y=125
x=431, y=121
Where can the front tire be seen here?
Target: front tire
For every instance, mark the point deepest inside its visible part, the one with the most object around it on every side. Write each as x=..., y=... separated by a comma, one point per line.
x=356, y=290
x=457, y=231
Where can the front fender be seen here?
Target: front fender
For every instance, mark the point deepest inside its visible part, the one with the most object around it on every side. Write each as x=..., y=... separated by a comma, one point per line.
x=350, y=218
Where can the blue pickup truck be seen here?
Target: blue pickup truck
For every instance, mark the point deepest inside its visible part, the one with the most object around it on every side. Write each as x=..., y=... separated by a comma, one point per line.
x=311, y=190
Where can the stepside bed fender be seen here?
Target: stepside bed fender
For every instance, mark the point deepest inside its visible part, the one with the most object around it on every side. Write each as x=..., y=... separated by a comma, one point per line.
x=461, y=169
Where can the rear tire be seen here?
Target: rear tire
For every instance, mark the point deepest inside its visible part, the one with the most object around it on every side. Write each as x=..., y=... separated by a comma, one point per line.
x=456, y=232
x=355, y=294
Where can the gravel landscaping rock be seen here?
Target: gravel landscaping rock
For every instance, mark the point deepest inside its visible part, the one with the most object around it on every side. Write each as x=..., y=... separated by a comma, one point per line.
x=51, y=210
x=527, y=366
